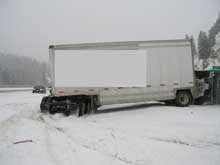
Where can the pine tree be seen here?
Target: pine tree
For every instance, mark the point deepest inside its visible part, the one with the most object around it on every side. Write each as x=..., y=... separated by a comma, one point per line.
x=204, y=48
x=215, y=29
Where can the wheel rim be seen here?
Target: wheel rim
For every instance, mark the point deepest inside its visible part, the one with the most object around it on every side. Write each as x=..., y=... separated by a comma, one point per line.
x=183, y=99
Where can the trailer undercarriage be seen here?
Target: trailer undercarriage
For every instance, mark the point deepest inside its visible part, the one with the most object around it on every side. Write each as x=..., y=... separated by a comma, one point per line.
x=80, y=104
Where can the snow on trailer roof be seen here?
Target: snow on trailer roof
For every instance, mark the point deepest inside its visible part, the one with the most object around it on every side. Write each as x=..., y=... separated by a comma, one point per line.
x=132, y=45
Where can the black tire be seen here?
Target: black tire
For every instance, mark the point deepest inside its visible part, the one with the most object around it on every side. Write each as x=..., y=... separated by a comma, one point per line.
x=67, y=110
x=52, y=110
x=67, y=113
x=183, y=99
x=43, y=104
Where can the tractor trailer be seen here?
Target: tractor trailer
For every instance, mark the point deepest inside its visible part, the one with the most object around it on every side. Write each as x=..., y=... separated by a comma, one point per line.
x=88, y=75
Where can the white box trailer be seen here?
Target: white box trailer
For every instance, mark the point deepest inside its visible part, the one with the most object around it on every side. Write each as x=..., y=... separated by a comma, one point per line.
x=86, y=76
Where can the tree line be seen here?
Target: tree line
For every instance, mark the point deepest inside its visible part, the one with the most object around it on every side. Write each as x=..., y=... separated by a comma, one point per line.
x=19, y=70
x=206, y=43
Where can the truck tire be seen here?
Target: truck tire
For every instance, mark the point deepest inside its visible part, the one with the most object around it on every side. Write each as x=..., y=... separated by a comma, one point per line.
x=68, y=109
x=52, y=110
x=67, y=112
x=44, y=105
x=183, y=99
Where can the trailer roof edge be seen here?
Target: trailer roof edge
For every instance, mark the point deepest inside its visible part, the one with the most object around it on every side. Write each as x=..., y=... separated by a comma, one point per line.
x=113, y=44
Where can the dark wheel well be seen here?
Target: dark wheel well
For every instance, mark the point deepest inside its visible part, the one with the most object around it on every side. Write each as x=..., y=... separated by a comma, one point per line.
x=186, y=90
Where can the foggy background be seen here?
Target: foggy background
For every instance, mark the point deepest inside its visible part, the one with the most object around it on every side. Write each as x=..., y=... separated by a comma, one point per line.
x=29, y=26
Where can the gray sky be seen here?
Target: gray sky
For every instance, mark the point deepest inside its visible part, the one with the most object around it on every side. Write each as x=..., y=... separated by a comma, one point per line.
x=29, y=26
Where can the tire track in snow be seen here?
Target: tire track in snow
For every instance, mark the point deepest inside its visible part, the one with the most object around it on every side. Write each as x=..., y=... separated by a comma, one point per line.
x=49, y=145
x=175, y=140
x=201, y=144
x=89, y=147
x=129, y=137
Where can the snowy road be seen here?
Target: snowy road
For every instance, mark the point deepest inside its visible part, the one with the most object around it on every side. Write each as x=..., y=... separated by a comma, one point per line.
x=142, y=135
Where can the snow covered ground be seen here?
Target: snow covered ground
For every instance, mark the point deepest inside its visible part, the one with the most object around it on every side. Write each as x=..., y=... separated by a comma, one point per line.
x=151, y=134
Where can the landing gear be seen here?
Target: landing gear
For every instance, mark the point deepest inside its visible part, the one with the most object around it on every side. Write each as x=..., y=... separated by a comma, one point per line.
x=80, y=109
x=86, y=107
